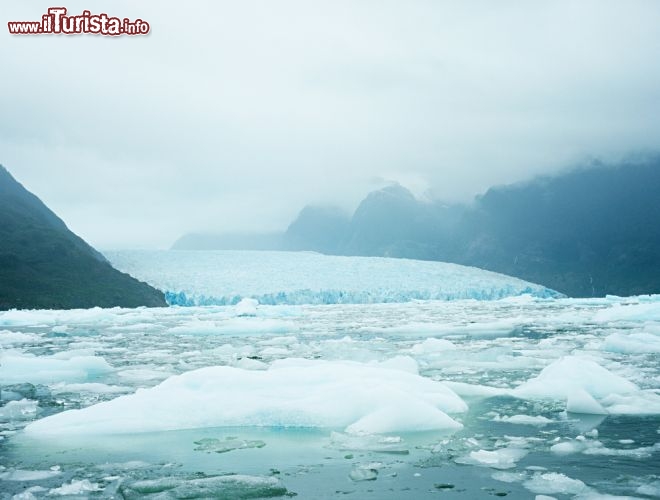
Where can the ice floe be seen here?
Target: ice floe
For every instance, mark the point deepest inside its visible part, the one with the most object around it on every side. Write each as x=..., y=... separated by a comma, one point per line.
x=363, y=398
x=17, y=367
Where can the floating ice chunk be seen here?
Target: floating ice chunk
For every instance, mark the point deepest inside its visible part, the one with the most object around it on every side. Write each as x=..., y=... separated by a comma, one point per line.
x=369, y=442
x=580, y=401
x=251, y=326
x=291, y=393
x=524, y=420
x=651, y=489
x=274, y=352
x=417, y=416
x=279, y=341
x=25, y=390
x=230, y=486
x=9, y=338
x=235, y=326
x=629, y=312
x=509, y=477
x=652, y=327
x=24, y=409
x=584, y=423
x=143, y=374
x=228, y=351
x=75, y=488
x=570, y=373
x=230, y=443
x=16, y=368
x=499, y=328
x=595, y=495
x=597, y=448
x=29, y=493
x=568, y=447
x=363, y=473
x=431, y=346
x=28, y=475
x=502, y=458
x=23, y=317
x=489, y=329
x=645, y=402
x=632, y=343
x=555, y=482
x=76, y=353
x=246, y=307
x=196, y=327
x=412, y=329
x=89, y=387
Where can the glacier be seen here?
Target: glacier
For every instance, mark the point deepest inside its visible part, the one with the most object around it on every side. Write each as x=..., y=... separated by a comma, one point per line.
x=226, y=277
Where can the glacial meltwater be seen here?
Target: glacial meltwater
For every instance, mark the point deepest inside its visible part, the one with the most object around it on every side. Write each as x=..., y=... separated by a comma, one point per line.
x=277, y=374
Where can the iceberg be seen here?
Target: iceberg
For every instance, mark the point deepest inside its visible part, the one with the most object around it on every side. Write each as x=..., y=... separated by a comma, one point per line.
x=16, y=368
x=580, y=401
x=503, y=458
x=555, y=482
x=24, y=409
x=274, y=278
x=562, y=378
x=632, y=343
x=225, y=486
x=362, y=398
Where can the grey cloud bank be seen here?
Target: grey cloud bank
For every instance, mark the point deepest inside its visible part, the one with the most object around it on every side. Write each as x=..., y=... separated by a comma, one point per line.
x=233, y=115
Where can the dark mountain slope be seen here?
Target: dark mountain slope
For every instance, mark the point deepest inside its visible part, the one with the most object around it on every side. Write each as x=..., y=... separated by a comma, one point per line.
x=392, y=222
x=321, y=229
x=44, y=265
x=589, y=232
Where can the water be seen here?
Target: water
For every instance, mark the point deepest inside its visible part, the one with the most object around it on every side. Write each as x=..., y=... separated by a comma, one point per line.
x=513, y=442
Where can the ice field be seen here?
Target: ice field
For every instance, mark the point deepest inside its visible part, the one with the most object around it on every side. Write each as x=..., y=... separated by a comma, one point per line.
x=389, y=397
x=225, y=277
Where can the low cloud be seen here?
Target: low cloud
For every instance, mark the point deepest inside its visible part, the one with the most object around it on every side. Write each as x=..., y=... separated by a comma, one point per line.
x=233, y=115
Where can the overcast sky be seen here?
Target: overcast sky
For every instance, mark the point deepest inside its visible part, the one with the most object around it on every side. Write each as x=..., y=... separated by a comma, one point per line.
x=234, y=115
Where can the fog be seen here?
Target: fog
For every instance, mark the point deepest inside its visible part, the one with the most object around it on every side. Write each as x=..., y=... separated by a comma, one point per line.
x=233, y=115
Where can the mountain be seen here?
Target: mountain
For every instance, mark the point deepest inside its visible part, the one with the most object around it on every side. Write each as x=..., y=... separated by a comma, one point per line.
x=385, y=217
x=43, y=265
x=590, y=232
x=391, y=222
x=321, y=229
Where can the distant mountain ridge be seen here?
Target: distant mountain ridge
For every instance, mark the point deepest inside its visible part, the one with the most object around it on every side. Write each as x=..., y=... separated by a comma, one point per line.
x=588, y=232
x=43, y=265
